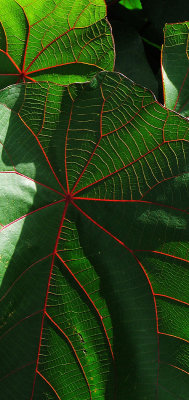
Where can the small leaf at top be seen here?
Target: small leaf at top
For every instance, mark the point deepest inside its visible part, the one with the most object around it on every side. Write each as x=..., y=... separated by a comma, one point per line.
x=130, y=56
x=131, y=4
x=60, y=41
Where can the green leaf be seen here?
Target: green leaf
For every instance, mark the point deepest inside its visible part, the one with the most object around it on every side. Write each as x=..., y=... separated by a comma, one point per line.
x=53, y=40
x=161, y=12
x=175, y=67
x=130, y=56
x=94, y=243
x=131, y=4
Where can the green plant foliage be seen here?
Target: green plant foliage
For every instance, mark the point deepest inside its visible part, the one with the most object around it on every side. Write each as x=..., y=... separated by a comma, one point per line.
x=131, y=4
x=161, y=12
x=175, y=67
x=131, y=58
x=54, y=40
x=94, y=243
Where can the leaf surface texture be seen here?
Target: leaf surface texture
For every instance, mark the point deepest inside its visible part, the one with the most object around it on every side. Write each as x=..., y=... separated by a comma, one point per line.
x=94, y=243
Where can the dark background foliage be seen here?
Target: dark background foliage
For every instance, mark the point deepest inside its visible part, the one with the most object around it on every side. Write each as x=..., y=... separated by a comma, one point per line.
x=138, y=35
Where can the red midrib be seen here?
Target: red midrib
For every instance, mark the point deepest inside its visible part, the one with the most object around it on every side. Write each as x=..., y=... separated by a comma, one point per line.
x=116, y=171
x=68, y=200
x=144, y=271
x=23, y=74
x=73, y=349
x=91, y=301
x=47, y=292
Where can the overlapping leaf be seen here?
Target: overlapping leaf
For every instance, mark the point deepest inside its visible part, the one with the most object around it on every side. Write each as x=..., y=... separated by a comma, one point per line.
x=54, y=40
x=94, y=242
x=130, y=56
x=175, y=67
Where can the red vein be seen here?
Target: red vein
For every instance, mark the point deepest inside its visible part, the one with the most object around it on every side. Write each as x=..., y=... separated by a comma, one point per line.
x=128, y=122
x=44, y=48
x=33, y=180
x=31, y=79
x=66, y=142
x=44, y=112
x=54, y=40
x=39, y=373
x=173, y=336
x=180, y=369
x=43, y=152
x=163, y=180
x=4, y=31
x=87, y=44
x=47, y=292
x=9, y=74
x=47, y=15
x=115, y=130
x=164, y=254
x=143, y=269
x=171, y=298
x=78, y=180
x=110, y=200
x=84, y=169
x=181, y=88
x=31, y=212
x=166, y=119
x=182, y=107
x=27, y=40
x=91, y=301
x=19, y=322
x=118, y=170
x=16, y=370
x=20, y=276
x=8, y=155
x=157, y=322
x=11, y=59
x=101, y=227
x=61, y=65
x=73, y=349
x=79, y=15
x=133, y=201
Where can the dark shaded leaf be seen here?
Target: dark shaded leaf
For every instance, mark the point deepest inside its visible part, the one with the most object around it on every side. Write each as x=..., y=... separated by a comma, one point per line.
x=130, y=56
x=161, y=12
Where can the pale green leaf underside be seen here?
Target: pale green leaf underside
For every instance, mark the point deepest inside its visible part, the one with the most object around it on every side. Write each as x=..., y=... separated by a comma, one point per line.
x=175, y=67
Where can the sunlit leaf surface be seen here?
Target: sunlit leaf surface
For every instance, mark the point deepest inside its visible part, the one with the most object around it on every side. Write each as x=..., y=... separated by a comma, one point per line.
x=94, y=243
x=54, y=40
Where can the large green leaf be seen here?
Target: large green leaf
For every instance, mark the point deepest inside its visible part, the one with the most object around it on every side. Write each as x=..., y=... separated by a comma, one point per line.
x=54, y=40
x=175, y=67
x=94, y=243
